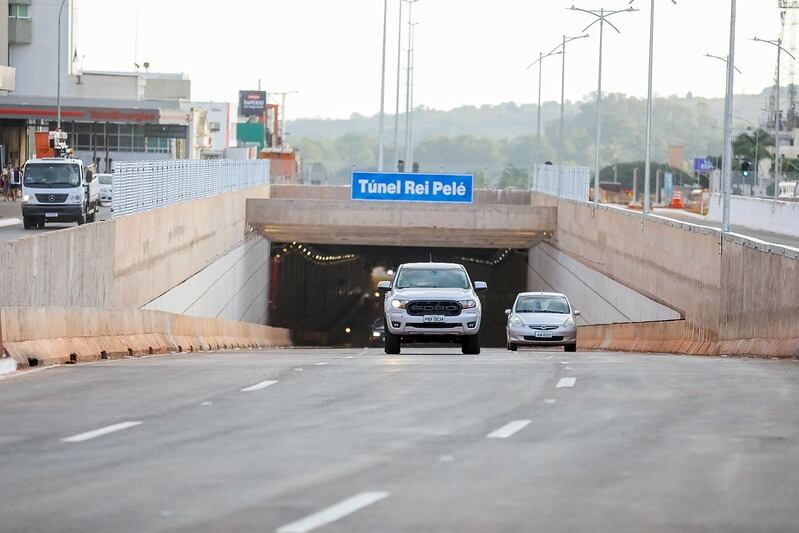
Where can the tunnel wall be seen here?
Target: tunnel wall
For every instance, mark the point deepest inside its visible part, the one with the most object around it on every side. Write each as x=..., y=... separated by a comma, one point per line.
x=234, y=287
x=600, y=299
x=125, y=262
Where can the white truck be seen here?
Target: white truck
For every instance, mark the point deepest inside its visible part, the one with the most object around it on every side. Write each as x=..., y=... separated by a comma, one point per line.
x=58, y=189
x=432, y=302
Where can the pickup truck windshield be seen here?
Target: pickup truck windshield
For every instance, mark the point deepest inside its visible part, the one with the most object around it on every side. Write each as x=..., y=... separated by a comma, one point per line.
x=52, y=175
x=432, y=278
x=542, y=304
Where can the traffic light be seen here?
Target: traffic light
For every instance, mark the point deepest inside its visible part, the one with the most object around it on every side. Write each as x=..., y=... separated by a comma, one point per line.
x=746, y=167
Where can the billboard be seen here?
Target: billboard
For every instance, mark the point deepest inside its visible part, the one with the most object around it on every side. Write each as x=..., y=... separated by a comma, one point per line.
x=252, y=103
x=398, y=187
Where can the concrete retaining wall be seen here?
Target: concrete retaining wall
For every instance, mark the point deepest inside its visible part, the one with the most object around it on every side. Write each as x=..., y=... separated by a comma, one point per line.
x=759, y=214
x=51, y=335
x=342, y=193
x=126, y=262
x=600, y=299
x=233, y=287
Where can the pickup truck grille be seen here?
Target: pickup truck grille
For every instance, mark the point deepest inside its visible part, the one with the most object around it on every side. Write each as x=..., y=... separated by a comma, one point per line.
x=421, y=308
x=432, y=325
x=51, y=198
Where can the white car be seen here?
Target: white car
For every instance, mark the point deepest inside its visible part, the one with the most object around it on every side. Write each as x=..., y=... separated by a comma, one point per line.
x=106, y=193
x=432, y=302
x=542, y=319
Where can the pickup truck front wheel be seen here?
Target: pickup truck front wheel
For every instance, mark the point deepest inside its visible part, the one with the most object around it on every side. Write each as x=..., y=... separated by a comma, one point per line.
x=471, y=345
x=392, y=343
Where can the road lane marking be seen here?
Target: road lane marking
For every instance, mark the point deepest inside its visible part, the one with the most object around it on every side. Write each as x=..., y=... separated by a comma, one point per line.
x=508, y=429
x=566, y=382
x=100, y=432
x=550, y=401
x=320, y=364
x=333, y=513
x=206, y=403
x=258, y=386
x=350, y=357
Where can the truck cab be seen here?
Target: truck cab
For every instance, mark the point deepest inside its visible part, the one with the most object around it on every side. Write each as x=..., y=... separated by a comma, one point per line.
x=58, y=190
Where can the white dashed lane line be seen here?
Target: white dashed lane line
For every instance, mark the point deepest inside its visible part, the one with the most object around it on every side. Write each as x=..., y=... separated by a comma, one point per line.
x=258, y=386
x=508, y=429
x=333, y=513
x=81, y=437
x=566, y=382
x=320, y=364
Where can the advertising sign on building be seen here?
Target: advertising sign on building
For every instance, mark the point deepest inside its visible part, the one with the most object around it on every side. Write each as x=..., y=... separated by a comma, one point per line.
x=397, y=187
x=252, y=103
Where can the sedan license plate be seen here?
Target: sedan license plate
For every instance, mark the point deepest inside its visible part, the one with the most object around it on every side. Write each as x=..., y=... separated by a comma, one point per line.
x=543, y=334
x=435, y=319
x=51, y=215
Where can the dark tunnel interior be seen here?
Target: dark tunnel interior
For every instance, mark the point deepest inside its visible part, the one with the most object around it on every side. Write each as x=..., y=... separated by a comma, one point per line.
x=327, y=294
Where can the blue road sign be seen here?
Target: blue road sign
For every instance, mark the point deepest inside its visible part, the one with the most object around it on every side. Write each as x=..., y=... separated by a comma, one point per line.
x=416, y=187
x=702, y=165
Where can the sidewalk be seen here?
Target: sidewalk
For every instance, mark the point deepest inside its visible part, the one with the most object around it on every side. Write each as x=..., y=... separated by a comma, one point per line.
x=10, y=213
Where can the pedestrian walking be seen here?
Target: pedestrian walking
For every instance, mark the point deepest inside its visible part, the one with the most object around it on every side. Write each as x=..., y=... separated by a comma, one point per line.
x=16, y=183
x=6, y=179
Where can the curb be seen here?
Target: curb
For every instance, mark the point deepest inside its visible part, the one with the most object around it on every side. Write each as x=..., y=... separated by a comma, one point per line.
x=4, y=222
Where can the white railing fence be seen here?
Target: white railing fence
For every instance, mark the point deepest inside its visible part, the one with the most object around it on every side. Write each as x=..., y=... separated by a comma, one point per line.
x=143, y=185
x=564, y=182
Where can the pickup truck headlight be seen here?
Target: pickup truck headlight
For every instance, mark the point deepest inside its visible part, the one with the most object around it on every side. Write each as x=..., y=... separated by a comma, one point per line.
x=399, y=304
x=516, y=322
x=468, y=304
x=569, y=323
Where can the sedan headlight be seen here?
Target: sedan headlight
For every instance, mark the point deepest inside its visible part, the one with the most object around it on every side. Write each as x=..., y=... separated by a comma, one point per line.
x=375, y=334
x=569, y=323
x=468, y=304
x=399, y=304
x=516, y=322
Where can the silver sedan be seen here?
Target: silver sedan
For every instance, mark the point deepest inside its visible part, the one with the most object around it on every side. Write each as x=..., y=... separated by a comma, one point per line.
x=542, y=319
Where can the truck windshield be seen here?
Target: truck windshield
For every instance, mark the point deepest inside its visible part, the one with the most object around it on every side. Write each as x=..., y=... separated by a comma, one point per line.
x=51, y=175
x=432, y=278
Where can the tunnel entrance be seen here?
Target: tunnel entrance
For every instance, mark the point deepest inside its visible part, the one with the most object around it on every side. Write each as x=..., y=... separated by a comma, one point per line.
x=327, y=294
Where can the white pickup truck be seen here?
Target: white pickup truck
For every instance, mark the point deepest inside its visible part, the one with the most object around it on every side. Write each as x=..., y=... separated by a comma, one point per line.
x=432, y=302
x=58, y=190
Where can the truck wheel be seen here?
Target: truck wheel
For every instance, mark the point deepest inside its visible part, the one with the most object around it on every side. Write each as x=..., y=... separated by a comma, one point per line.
x=471, y=345
x=81, y=219
x=570, y=347
x=392, y=343
x=91, y=218
x=27, y=222
x=40, y=222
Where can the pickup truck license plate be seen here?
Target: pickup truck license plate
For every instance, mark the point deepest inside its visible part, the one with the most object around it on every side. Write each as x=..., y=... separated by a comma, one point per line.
x=543, y=334
x=51, y=215
x=436, y=319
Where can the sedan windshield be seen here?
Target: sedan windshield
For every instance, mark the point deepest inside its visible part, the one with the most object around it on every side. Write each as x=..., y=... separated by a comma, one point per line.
x=542, y=304
x=52, y=175
x=432, y=278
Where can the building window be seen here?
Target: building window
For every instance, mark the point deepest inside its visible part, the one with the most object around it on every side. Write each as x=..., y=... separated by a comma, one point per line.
x=18, y=11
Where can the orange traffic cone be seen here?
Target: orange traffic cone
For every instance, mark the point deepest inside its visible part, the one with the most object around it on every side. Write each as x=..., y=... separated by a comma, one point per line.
x=676, y=199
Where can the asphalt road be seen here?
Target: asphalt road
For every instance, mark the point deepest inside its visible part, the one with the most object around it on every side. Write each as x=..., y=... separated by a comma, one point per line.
x=431, y=440
x=15, y=231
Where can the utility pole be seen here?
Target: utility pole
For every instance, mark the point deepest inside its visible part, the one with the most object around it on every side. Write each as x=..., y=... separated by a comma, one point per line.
x=602, y=18
x=408, y=67
x=382, y=91
x=777, y=116
x=726, y=167
x=399, y=76
x=282, y=126
x=540, y=63
x=58, y=68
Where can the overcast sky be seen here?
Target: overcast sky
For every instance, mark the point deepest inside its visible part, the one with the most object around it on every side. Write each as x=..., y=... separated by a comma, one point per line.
x=468, y=51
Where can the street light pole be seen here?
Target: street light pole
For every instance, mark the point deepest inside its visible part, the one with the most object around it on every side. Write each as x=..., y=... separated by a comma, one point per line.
x=648, y=160
x=399, y=76
x=540, y=63
x=777, y=115
x=382, y=91
x=58, y=61
x=408, y=68
x=602, y=18
x=726, y=167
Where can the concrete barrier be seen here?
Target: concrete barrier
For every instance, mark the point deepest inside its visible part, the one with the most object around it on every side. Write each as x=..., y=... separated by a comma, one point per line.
x=125, y=262
x=50, y=335
x=759, y=214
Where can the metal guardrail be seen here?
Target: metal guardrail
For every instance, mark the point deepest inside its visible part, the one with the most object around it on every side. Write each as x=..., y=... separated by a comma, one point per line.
x=564, y=182
x=144, y=185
